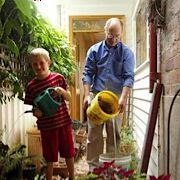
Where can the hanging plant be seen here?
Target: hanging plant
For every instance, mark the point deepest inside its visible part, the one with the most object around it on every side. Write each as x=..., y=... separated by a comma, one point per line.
x=22, y=28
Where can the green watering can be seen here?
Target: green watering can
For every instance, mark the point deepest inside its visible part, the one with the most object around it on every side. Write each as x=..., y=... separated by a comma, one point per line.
x=46, y=103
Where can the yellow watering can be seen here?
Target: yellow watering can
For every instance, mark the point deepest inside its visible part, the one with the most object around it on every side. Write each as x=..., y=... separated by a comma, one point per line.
x=103, y=107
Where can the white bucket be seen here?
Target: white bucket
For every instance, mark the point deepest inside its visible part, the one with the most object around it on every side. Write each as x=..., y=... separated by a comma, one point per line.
x=120, y=160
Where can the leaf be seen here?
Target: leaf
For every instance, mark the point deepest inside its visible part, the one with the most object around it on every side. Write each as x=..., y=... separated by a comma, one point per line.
x=8, y=27
x=24, y=7
x=21, y=18
x=152, y=178
x=164, y=177
x=18, y=28
x=1, y=3
x=1, y=29
x=13, y=47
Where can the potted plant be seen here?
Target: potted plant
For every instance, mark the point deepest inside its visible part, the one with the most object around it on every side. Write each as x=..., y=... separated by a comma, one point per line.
x=11, y=161
x=127, y=143
x=29, y=169
x=14, y=164
x=111, y=171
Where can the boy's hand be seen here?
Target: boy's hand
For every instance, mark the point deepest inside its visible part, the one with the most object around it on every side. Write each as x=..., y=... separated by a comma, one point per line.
x=59, y=90
x=37, y=112
x=64, y=93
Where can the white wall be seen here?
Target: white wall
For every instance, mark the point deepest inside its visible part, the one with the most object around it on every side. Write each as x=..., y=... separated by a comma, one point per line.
x=50, y=11
x=13, y=121
x=142, y=100
x=93, y=7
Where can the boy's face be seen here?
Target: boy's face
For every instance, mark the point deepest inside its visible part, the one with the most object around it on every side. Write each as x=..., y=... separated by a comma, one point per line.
x=40, y=66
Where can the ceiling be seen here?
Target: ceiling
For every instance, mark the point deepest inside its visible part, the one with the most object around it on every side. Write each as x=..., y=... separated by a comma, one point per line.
x=97, y=2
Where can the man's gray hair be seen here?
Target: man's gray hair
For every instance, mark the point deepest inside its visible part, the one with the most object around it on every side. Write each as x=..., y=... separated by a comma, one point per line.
x=112, y=20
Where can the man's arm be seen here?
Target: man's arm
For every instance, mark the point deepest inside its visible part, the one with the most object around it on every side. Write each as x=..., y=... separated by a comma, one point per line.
x=86, y=95
x=123, y=98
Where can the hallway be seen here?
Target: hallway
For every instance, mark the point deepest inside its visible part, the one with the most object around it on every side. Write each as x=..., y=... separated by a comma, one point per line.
x=152, y=30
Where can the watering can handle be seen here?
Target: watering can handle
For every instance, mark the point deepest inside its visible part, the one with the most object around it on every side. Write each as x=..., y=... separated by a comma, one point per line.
x=53, y=89
x=49, y=90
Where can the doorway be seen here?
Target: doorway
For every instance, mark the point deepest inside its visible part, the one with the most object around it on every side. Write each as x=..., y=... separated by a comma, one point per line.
x=84, y=31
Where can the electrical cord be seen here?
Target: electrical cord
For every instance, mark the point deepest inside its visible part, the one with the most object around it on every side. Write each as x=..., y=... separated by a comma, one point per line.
x=168, y=133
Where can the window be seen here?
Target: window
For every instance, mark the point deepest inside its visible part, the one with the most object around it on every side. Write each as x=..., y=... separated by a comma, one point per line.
x=141, y=36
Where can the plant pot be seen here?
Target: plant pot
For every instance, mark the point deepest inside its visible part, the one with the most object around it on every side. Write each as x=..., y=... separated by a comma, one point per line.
x=29, y=172
x=119, y=159
x=15, y=173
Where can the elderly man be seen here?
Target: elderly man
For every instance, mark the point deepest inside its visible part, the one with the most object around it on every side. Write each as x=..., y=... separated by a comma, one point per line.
x=109, y=66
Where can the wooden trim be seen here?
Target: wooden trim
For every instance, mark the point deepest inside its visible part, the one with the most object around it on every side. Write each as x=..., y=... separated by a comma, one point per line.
x=95, y=17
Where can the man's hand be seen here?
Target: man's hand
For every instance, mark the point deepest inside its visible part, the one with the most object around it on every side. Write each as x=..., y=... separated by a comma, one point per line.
x=87, y=101
x=123, y=99
x=122, y=104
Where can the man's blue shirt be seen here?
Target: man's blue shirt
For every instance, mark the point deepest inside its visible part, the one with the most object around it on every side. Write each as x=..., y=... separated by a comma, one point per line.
x=110, y=69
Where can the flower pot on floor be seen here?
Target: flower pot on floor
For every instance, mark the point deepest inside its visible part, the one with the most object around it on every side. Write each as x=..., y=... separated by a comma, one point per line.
x=29, y=172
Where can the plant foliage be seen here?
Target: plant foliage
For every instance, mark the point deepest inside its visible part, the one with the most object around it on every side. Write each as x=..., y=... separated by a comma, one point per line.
x=22, y=28
x=14, y=160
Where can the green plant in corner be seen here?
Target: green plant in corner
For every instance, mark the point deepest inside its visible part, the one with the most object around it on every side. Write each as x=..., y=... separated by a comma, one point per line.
x=21, y=29
x=127, y=143
x=14, y=162
x=11, y=161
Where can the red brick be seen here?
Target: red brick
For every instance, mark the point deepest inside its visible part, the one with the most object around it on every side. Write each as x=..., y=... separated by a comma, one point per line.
x=178, y=46
x=167, y=89
x=175, y=7
x=178, y=76
x=177, y=61
x=173, y=77
x=165, y=78
x=169, y=65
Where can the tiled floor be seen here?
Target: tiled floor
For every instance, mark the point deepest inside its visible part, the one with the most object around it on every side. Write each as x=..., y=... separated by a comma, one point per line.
x=81, y=167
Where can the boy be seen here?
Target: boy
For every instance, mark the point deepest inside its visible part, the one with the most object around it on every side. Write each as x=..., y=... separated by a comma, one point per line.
x=56, y=130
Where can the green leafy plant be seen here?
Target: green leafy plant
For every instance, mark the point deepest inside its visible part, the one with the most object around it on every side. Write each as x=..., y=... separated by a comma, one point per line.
x=11, y=161
x=14, y=160
x=127, y=143
x=21, y=29
x=110, y=171
x=161, y=177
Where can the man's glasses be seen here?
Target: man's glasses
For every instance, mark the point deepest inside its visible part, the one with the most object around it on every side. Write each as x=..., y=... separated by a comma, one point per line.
x=110, y=36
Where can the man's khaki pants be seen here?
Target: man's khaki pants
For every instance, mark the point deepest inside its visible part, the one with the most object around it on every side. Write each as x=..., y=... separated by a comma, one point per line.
x=95, y=139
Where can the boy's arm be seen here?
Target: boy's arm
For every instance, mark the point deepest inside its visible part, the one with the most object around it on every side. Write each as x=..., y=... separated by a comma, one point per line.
x=37, y=112
x=65, y=93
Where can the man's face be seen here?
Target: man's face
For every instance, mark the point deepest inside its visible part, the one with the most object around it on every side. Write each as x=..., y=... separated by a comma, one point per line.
x=113, y=35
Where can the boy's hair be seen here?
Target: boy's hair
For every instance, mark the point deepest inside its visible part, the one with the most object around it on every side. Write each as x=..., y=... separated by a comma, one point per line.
x=40, y=52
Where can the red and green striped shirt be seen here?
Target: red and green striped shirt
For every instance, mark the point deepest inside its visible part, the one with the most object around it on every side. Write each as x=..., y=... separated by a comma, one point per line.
x=35, y=87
